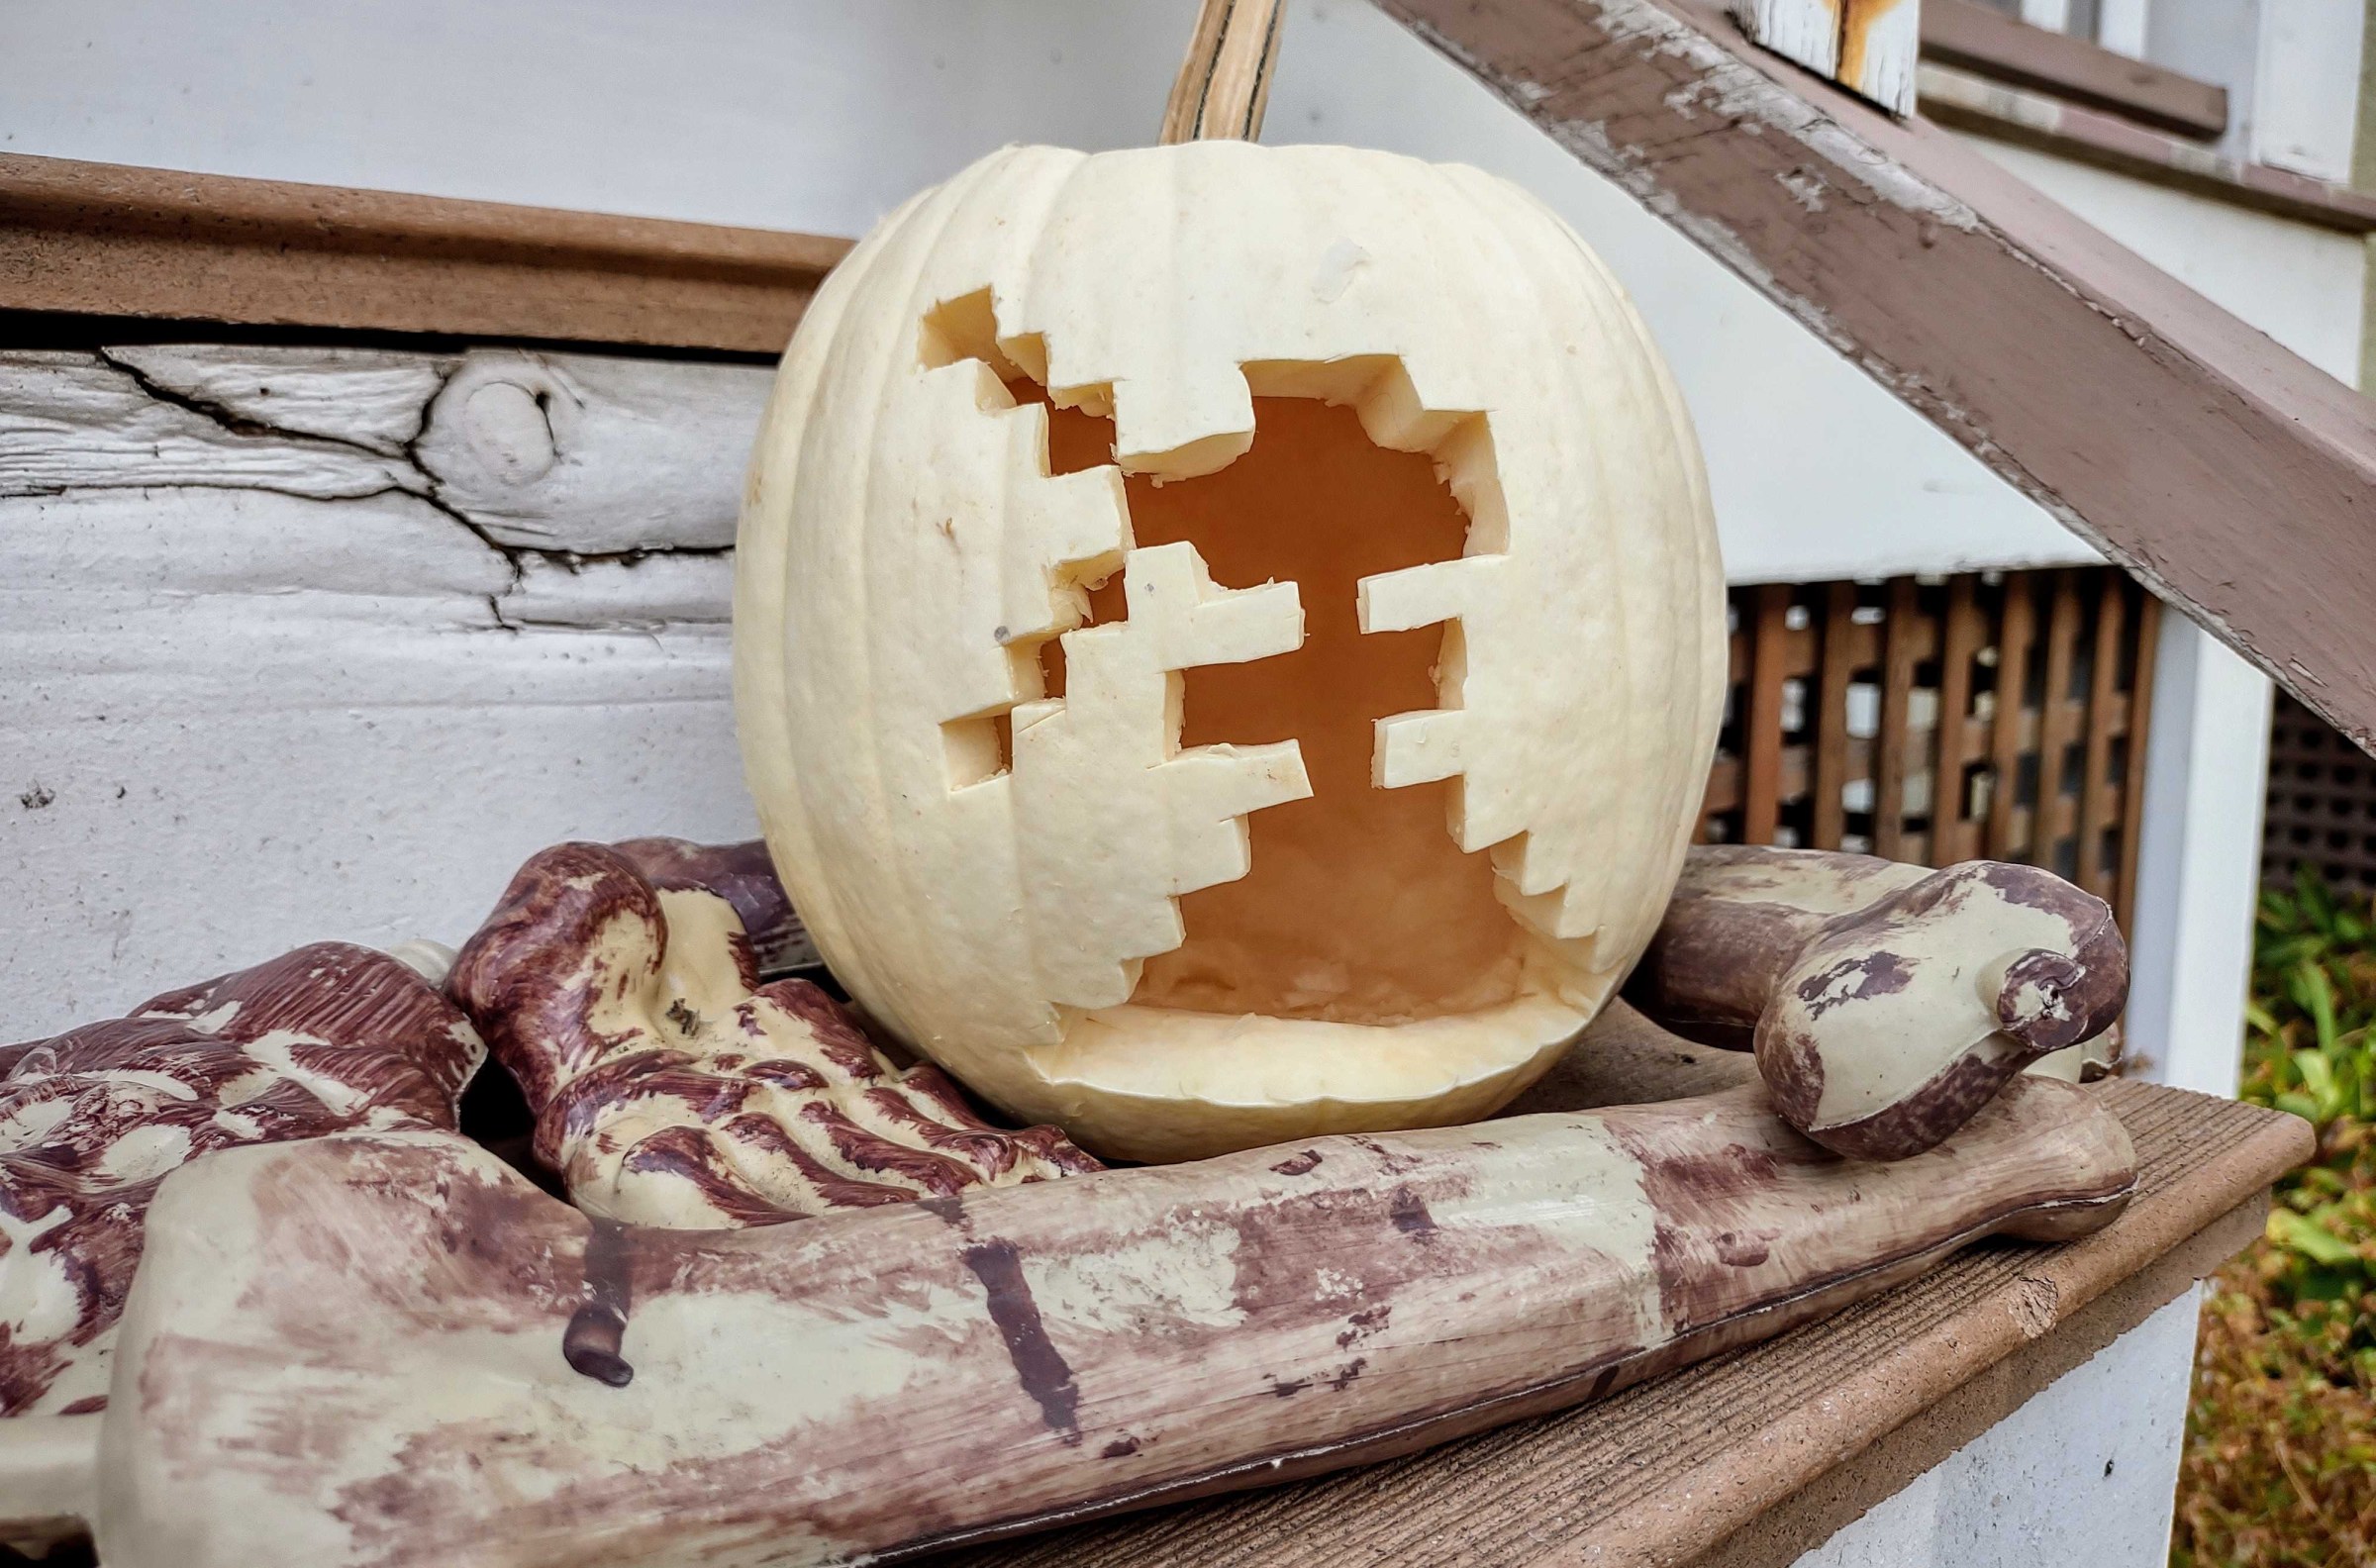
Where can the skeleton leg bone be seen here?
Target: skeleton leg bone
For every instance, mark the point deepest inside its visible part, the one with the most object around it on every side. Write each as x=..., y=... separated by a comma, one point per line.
x=351, y=1351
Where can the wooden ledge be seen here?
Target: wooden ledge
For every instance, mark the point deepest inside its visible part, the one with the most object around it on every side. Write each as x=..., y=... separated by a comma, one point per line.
x=1963, y=101
x=1960, y=32
x=1763, y=1452
x=106, y=239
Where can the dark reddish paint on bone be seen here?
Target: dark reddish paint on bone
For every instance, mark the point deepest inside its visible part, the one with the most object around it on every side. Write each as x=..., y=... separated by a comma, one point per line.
x=598, y=1329
x=356, y=1019
x=1038, y=1364
x=1875, y=974
x=530, y=977
x=744, y=876
x=1733, y=939
x=1307, y=1254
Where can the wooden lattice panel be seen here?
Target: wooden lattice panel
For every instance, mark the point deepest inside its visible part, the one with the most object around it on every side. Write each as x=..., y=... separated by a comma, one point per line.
x=1986, y=715
x=2322, y=803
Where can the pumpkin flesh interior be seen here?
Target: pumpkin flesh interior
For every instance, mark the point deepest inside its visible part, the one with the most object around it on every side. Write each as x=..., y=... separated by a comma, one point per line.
x=1361, y=906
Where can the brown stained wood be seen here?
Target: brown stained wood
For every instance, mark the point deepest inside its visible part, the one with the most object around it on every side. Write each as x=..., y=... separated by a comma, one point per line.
x=2057, y=724
x=1893, y=745
x=1970, y=623
x=2321, y=806
x=1831, y=814
x=106, y=239
x=2018, y=329
x=1951, y=827
x=1224, y=84
x=1761, y=786
x=2097, y=873
x=2004, y=752
x=1982, y=39
x=1728, y=1441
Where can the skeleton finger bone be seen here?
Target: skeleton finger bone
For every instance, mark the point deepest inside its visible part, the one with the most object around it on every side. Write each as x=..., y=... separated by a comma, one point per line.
x=1886, y=1003
x=890, y=1380
x=619, y=986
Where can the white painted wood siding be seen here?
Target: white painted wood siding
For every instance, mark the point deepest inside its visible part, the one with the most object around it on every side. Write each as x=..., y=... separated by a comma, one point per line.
x=299, y=644
x=818, y=115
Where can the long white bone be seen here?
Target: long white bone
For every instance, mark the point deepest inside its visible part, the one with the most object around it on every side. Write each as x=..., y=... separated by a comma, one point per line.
x=351, y=1351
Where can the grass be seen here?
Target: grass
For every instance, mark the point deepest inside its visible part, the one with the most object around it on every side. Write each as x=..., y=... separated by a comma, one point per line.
x=2280, y=1460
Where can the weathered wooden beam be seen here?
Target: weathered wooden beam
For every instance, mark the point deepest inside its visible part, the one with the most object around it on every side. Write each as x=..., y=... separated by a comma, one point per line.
x=102, y=238
x=2231, y=476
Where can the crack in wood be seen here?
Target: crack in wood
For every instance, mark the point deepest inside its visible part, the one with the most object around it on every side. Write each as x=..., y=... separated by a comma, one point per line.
x=124, y=451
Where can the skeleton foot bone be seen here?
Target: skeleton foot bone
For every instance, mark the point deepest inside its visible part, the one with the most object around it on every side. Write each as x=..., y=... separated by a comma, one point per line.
x=1886, y=1003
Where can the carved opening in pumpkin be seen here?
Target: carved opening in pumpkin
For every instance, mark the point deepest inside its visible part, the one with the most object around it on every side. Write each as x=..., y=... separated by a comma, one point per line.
x=1359, y=906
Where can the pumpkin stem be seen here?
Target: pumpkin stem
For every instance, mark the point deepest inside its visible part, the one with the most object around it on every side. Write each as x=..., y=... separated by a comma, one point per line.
x=1224, y=82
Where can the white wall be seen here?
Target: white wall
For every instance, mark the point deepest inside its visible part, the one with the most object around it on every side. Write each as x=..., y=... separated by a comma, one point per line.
x=818, y=115
x=2291, y=68
x=2305, y=92
x=2082, y=1474
x=2207, y=768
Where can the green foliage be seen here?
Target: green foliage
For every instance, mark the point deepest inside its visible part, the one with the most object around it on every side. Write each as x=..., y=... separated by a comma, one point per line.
x=2310, y=1048
x=2280, y=1462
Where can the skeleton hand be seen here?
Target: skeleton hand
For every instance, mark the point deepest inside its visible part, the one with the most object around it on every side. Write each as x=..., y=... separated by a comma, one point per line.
x=670, y=1088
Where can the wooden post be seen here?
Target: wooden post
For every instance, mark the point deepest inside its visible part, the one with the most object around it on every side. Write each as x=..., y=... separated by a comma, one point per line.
x=1762, y=728
x=2099, y=874
x=2005, y=754
x=2057, y=729
x=1829, y=816
x=2133, y=781
x=1890, y=748
x=1951, y=832
x=1224, y=82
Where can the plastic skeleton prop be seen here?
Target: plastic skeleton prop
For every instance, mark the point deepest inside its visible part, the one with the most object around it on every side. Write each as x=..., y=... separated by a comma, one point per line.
x=671, y=1088
x=329, y=1039
x=487, y=1373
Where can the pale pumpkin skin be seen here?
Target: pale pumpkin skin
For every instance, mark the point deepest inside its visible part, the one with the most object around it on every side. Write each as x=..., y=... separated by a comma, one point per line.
x=995, y=902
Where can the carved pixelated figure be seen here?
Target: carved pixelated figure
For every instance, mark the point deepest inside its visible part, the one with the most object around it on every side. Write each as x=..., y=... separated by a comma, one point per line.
x=1215, y=665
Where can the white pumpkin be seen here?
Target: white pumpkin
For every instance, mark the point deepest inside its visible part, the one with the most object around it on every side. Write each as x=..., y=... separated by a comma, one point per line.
x=1229, y=640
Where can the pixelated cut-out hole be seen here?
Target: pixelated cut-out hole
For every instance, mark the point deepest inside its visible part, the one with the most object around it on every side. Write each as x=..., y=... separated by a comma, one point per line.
x=1359, y=905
